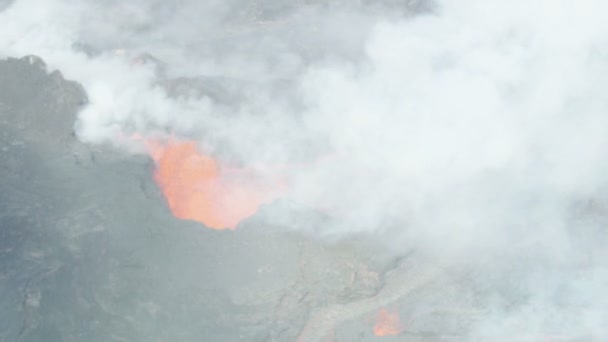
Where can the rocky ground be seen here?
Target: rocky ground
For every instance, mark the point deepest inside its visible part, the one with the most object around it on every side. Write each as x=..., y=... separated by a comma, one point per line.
x=90, y=252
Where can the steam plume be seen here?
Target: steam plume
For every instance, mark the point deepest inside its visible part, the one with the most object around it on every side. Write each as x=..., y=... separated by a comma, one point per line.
x=468, y=129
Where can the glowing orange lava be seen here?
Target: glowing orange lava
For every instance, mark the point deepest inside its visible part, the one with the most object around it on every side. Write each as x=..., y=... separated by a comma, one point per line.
x=197, y=188
x=387, y=323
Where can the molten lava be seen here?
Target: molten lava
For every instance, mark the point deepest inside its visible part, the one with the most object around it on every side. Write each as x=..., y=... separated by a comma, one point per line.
x=387, y=323
x=197, y=188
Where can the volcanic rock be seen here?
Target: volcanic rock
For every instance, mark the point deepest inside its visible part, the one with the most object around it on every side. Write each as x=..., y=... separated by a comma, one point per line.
x=90, y=252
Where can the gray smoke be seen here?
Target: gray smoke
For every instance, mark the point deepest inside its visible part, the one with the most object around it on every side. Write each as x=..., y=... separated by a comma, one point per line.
x=470, y=130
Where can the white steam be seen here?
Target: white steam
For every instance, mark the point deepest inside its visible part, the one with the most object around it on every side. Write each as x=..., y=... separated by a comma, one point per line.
x=470, y=129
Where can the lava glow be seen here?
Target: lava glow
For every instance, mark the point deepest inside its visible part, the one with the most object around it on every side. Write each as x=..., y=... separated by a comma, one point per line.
x=387, y=323
x=197, y=188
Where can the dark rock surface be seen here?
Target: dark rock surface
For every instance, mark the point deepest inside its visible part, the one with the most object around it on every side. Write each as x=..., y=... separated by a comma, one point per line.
x=90, y=252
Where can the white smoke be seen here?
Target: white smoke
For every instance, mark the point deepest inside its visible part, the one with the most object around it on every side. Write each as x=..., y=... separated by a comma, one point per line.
x=469, y=129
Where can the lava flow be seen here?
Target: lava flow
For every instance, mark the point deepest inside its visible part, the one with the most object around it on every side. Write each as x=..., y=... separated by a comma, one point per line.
x=197, y=188
x=387, y=323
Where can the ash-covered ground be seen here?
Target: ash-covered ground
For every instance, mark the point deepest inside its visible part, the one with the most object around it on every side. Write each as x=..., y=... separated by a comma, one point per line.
x=90, y=252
